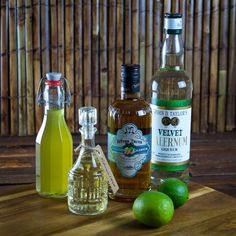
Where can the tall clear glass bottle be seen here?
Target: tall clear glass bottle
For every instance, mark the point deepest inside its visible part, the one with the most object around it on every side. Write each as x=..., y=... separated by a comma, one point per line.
x=171, y=90
x=54, y=148
x=88, y=186
x=129, y=137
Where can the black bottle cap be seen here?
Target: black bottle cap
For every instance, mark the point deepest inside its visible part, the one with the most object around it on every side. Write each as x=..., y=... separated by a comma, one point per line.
x=130, y=78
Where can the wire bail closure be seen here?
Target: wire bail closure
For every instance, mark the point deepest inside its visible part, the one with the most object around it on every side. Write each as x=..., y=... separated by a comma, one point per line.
x=62, y=82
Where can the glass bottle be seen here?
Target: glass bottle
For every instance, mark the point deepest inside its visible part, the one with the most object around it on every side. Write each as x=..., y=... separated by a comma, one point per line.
x=88, y=186
x=171, y=99
x=54, y=148
x=129, y=137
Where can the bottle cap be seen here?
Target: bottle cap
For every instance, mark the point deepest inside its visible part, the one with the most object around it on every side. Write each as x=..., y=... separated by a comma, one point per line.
x=173, y=23
x=87, y=116
x=130, y=78
x=53, y=76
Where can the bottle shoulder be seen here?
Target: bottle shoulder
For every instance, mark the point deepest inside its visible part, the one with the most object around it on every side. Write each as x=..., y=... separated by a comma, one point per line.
x=171, y=84
x=132, y=106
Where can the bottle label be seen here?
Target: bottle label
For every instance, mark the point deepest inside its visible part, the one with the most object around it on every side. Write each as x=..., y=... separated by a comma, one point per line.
x=171, y=127
x=129, y=148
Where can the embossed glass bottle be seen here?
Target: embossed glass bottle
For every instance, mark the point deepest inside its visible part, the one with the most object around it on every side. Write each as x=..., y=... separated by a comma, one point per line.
x=129, y=137
x=171, y=106
x=88, y=186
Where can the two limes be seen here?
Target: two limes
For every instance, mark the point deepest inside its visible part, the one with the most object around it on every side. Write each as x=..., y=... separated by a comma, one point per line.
x=156, y=208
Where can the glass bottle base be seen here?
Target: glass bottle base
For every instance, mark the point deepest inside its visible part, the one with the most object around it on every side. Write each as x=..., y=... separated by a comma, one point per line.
x=52, y=195
x=87, y=210
x=158, y=176
x=126, y=195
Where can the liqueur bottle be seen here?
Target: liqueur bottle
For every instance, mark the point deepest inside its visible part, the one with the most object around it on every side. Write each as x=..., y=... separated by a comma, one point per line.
x=54, y=148
x=88, y=186
x=171, y=99
x=129, y=137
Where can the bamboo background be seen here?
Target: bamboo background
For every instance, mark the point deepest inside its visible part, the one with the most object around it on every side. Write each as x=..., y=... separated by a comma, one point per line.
x=87, y=41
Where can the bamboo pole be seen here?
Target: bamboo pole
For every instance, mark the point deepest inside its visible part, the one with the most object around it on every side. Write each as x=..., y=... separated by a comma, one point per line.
x=119, y=43
x=37, y=60
x=111, y=50
x=135, y=32
x=223, y=56
x=214, y=65
x=189, y=41
x=54, y=35
x=78, y=97
x=175, y=6
x=103, y=66
x=87, y=57
x=29, y=68
x=45, y=37
x=157, y=29
x=128, y=30
x=4, y=72
x=61, y=36
x=205, y=66
x=12, y=68
x=21, y=68
x=95, y=58
x=167, y=6
x=142, y=44
x=197, y=58
x=182, y=10
x=231, y=108
x=69, y=58
x=149, y=47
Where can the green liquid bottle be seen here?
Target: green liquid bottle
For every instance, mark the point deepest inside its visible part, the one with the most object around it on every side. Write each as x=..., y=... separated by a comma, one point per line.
x=54, y=148
x=171, y=90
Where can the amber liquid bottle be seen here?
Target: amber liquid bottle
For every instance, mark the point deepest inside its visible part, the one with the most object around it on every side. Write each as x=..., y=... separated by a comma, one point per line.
x=129, y=137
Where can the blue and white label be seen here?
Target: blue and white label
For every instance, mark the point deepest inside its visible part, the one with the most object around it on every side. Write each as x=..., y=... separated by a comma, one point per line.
x=129, y=149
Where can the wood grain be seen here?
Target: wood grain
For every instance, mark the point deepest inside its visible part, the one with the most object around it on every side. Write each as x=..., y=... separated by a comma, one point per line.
x=207, y=212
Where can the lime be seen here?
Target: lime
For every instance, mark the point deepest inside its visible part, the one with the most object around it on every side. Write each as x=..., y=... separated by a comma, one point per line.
x=153, y=209
x=176, y=189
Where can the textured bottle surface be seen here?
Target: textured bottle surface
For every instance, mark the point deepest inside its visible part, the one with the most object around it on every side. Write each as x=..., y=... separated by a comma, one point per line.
x=129, y=146
x=53, y=155
x=87, y=194
x=171, y=125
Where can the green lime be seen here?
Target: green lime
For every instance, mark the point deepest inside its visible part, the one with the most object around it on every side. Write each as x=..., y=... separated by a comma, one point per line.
x=176, y=189
x=153, y=209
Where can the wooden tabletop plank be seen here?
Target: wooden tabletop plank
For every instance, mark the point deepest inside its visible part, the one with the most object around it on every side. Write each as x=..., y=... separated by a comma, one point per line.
x=23, y=212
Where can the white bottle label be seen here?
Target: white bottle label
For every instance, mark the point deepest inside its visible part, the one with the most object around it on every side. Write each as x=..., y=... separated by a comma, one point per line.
x=171, y=137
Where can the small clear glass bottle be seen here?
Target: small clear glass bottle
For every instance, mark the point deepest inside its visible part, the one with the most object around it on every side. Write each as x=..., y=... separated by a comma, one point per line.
x=88, y=186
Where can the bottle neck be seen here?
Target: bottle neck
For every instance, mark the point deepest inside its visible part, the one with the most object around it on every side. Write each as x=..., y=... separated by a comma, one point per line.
x=54, y=97
x=88, y=135
x=129, y=96
x=172, y=52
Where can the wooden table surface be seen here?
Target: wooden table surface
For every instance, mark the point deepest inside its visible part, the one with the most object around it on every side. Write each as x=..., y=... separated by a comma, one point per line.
x=23, y=212
x=208, y=212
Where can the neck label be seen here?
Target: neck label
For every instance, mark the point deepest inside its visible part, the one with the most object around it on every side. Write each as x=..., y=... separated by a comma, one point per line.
x=173, y=23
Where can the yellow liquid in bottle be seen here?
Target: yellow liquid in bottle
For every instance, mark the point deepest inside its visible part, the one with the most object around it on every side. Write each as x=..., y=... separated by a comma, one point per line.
x=54, y=150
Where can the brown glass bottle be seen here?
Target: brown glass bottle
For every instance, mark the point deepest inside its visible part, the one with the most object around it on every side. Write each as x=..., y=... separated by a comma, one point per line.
x=129, y=137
